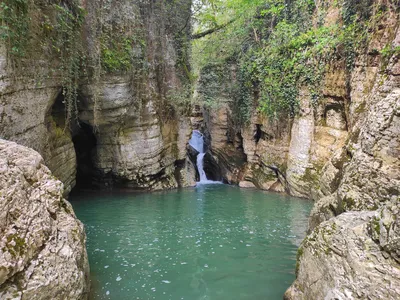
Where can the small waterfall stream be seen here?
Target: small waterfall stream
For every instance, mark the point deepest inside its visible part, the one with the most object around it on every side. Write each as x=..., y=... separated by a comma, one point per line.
x=203, y=176
x=197, y=142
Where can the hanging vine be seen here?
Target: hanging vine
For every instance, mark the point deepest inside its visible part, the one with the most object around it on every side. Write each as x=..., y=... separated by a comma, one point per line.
x=58, y=23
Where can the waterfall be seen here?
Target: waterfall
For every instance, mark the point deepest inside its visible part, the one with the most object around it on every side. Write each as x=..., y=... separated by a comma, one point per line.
x=203, y=176
x=197, y=142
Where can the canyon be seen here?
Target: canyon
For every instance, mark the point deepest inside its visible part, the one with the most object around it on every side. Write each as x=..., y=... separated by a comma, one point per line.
x=129, y=128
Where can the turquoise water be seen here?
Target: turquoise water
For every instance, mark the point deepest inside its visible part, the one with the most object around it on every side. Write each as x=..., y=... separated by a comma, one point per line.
x=210, y=242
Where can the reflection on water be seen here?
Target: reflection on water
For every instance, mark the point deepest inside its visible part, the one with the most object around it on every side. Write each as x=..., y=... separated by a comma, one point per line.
x=209, y=242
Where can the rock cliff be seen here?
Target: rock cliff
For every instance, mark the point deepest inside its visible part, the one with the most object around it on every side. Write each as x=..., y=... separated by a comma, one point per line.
x=341, y=151
x=118, y=92
x=126, y=96
x=352, y=251
x=42, y=246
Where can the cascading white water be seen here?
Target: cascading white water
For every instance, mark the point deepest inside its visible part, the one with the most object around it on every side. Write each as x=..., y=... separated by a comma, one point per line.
x=203, y=176
x=197, y=142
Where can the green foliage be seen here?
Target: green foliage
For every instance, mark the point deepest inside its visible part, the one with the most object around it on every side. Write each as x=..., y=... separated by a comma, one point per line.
x=180, y=99
x=211, y=84
x=279, y=48
x=67, y=42
x=292, y=59
x=117, y=56
x=58, y=23
x=356, y=9
x=121, y=45
x=14, y=25
x=388, y=51
x=242, y=95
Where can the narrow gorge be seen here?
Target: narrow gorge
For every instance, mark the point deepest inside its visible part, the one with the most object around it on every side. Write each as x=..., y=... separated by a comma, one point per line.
x=281, y=98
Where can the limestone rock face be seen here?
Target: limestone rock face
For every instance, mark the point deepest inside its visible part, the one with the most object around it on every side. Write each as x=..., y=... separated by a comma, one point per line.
x=352, y=250
x=245, y=153
x=225, y=144
x=28, y=91
x=43, y=254
x=25, y=118
x=352, y=256
x=299, y=150
x=140, y=138
x=365, y=173
x=133, y=144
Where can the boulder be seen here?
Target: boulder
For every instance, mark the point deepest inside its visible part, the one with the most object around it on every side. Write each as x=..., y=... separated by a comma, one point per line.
x=42, y=245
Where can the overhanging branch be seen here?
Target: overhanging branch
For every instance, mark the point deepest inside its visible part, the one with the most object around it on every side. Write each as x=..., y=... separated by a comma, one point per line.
x=209, y=31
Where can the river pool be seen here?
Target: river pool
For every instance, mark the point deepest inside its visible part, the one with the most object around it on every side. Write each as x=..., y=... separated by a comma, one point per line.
x=214, y=242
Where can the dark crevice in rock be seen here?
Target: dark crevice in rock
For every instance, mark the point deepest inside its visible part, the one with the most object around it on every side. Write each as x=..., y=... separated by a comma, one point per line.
x=280, y=176
x=258, y=133
x=179, y=165
x=85, y=144
x=212, y=169
x=58, y=111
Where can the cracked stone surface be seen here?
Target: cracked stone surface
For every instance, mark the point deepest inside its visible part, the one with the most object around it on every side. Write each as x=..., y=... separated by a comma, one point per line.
x=42, y=245
x=343, y=258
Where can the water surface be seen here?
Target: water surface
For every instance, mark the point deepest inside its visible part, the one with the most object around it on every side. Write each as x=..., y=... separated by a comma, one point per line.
x=213, y=242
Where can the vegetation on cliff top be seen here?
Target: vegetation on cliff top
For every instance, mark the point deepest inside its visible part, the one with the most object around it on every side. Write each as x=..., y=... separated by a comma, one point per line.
x=279, y=48
x=260, y=53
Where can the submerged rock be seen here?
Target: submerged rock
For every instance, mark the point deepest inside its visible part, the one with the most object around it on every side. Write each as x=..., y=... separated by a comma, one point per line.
x=42, y=246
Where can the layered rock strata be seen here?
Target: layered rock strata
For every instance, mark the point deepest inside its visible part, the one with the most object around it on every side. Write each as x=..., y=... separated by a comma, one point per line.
x=352, y=250
x=139, y=135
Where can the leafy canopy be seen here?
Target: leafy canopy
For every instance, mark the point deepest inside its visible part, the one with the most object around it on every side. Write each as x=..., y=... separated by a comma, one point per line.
x=277, y=46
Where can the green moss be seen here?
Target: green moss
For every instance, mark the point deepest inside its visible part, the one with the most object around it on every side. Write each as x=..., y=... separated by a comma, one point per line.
x=311, y=176
x=348, y=203
x=15, y=245
x=361, y=108
x=299, y=254
x=116, y=54
x=376, y=226
x=261, y=176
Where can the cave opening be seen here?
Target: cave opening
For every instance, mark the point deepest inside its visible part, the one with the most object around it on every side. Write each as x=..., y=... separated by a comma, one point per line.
x=85, y=143
x=81, y=134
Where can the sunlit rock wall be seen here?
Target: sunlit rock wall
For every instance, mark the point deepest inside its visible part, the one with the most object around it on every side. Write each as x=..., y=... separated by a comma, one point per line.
x=352, y=249
x=42, y=244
